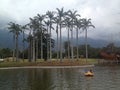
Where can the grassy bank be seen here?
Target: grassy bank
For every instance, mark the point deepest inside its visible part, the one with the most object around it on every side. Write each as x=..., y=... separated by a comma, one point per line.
x=48, y=63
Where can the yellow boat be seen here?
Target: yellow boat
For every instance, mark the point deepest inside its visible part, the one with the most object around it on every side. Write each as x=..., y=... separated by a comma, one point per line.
x=89, y=73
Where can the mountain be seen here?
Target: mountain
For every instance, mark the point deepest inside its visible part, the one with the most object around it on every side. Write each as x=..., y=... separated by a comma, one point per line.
x=92, y=42
x=6, y=39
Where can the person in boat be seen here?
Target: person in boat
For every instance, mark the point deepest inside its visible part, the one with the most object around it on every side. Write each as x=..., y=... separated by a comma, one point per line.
x=91, y=71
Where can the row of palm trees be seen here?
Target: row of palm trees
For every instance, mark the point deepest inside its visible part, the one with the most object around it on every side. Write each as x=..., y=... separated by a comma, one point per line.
x=41, y=25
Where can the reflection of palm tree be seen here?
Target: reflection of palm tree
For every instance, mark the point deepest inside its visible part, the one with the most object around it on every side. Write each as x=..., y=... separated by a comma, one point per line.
x=15, y=29
x=50, y=16
x=73, y=15
x=86, y=25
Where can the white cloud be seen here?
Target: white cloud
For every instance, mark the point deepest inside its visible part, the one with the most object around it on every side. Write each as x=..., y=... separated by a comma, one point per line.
x=104, y=13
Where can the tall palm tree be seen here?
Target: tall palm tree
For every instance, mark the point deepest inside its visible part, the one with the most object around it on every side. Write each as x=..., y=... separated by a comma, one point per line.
x=56, y=20
x=16, y=30
x=34, y=26
x=73, y=15
x=24, y=27
x=40, y=28
x=60, y=15
x=50, y=15
x=79, y=25
x=86, y=24
x=47, y=23
x=29, y=40
x=68, y=25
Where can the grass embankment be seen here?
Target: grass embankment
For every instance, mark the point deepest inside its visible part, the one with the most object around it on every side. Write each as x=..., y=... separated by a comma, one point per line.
x=48, y=63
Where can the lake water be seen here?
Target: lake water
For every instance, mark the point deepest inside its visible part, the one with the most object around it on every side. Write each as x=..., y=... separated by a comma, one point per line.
x=106, y=78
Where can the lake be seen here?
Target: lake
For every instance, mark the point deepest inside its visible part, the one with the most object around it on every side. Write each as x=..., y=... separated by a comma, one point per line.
x=106, y=78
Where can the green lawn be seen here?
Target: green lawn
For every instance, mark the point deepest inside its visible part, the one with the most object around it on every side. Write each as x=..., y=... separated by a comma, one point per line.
x=54, y=62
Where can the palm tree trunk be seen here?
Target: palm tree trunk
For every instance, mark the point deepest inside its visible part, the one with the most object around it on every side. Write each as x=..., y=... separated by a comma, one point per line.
x=60, y=45
x=77, y=42
x=68, y=44
x=50, y=44
x=23, y=44
x=33, y=49
x=72, y=43
x=57, y=44
x=16, y=47
x=36, y=49
x=14, y=41
x=86, y=44
x=29, y=52
x=47, y=45
x=41, y=46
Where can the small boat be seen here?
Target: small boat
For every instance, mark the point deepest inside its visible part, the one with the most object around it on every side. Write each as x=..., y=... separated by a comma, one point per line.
x=89, y=73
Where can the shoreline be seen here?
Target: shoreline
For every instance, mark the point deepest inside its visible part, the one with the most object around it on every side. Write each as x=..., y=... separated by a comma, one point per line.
x=46, y=67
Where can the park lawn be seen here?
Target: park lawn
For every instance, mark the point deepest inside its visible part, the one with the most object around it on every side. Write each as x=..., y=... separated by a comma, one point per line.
x=54, y=62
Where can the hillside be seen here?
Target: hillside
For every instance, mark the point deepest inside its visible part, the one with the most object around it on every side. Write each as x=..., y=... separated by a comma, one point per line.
x=6, y=40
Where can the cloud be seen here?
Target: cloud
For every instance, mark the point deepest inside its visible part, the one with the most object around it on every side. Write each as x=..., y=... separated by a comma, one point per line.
x=104, y=13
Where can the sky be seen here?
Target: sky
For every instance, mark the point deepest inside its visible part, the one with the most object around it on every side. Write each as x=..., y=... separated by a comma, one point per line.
x=105, y=14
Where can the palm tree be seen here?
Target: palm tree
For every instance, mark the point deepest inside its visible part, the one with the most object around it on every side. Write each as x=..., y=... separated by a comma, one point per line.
x=68, y=25
x=29, y=40
x=47, y=23
x=50, y=16
x=60, y=15
x=40, y=28
x=56, y=20
x=23, y=31
x=78, y=23
x=73, y=15
x=86, y=24
x=34, y=26
x=15, y=29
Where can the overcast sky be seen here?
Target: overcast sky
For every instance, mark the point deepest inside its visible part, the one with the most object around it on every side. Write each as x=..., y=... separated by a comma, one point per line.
x=105, y=14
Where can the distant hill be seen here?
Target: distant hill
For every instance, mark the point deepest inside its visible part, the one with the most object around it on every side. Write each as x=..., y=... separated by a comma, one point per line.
x=6, y=40
x=91, y=42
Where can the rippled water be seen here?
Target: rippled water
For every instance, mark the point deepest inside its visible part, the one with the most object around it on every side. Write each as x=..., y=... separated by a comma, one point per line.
x=106, y=78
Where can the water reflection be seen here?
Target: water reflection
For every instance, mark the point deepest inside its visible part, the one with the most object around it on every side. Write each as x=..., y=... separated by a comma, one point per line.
x=106, y=78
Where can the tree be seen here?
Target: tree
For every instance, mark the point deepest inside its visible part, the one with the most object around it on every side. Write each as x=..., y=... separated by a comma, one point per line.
x=40, y=19
x=15, y=29
x=56, y=20
x=78, y=23
x=23, y=32
x=73, y=15
x=60, y=16
x=50, y=15
x=86, y=24
x=34, y=27
x=5, y=52
x=68, y=25
x=47, y=23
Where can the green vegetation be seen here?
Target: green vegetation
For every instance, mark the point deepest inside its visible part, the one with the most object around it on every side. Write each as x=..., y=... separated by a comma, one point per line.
x=54, y=62
x=39, y=38
x=40, y=42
